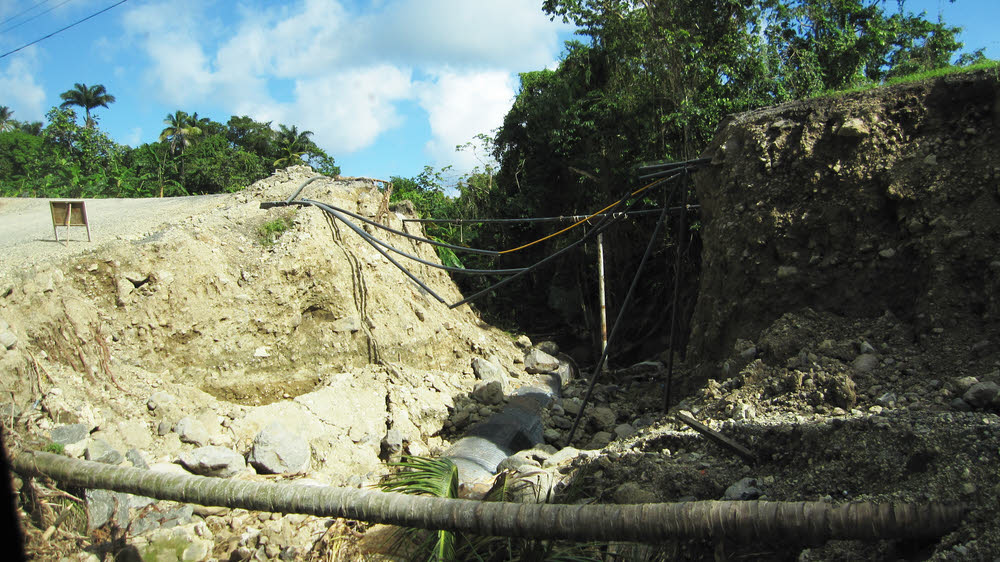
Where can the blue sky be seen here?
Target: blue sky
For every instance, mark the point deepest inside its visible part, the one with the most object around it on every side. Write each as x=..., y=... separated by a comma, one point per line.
x=387, y=86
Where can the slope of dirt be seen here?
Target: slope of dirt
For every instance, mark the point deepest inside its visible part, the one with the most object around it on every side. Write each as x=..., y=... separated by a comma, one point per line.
x=847, y=327
x=847, y=332
x=192, y=316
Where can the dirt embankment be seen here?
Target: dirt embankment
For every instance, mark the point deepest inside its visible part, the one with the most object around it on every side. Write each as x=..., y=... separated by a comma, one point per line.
x=847, y=332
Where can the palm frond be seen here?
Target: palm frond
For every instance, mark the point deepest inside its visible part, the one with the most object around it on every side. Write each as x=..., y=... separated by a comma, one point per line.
x=431, y=477
x=424, y=476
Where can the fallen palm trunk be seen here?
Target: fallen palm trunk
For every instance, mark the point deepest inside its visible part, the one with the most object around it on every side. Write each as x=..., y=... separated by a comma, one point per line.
x=811, y=522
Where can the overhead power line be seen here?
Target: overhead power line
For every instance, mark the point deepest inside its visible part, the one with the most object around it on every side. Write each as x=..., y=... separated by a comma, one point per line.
x=22, y=12
x=34, y=17
x=78, y=22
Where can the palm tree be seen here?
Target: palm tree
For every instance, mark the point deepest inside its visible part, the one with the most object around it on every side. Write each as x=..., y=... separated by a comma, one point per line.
x=179, y=131
x=32, y=128
x=293, y=145
x=87, y=98
x=181, y=128
x=6, y=123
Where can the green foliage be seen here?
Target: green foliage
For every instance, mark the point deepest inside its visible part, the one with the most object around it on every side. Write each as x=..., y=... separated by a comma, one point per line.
x=194, y=154
x=272, y=230
x=431, y=477
x=57, y=448
x=7, y=122
x=87, y=97
x=439, y=478
x=214, y=166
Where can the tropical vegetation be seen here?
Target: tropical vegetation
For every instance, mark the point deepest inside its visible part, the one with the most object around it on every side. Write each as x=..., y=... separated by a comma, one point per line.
x=649, y=81
x=193, y=154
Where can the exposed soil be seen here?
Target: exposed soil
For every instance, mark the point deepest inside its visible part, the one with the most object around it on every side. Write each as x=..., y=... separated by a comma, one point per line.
x=847, y=332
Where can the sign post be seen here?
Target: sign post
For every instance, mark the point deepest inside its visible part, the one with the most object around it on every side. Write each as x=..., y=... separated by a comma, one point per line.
x=68, y=213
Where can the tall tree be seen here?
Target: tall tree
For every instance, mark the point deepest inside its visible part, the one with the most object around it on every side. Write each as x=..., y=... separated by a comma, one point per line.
x=292, y=145
x=180, y=131
x=6, y=122
x=88, y=98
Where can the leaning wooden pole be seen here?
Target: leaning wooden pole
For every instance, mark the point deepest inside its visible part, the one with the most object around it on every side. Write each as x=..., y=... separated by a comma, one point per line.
x=811, y=522
x=601, y=298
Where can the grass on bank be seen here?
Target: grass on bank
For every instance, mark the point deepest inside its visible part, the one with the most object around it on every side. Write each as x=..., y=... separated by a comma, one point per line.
x=270, y=231
x=915, y=77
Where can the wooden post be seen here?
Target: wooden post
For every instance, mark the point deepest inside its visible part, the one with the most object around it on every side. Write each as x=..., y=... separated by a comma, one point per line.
x=600, y=284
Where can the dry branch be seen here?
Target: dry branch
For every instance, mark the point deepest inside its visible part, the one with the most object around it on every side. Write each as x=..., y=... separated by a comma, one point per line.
x=746, y=520
x=719, y=438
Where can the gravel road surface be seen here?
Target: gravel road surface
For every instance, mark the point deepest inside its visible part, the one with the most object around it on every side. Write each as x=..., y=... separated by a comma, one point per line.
x=26, y=236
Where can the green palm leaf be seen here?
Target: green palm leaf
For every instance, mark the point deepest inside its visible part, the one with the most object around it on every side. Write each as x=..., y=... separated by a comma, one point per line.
x=429, y=477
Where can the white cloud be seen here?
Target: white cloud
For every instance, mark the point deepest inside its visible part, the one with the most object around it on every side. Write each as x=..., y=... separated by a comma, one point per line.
x=341, y=73
x=21, y=91
x=348, y=111
x=180, y=73
x=514, y=34
x=134, y=136
x=462, y=105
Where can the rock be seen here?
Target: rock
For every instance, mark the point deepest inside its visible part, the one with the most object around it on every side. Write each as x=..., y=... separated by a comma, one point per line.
x=99, y=450
x=488, y=371
x=600, y=440
x=164, y=427
x=391, y=445
x=168, y=515
x=278, y=451
x=865, y=363
x=490, y=393
x=565, y=373
x=213, y=461
x=8, y=339
x=865, y=347
x=537, y=361
x=786, y=271
x=176, y=543
x=965, y=383
x=191, y=430
x=888, y=399
x=960, y=405
x=349, y=324
x=624, y=431
x=135, y=457
x=552, y=435
x=103, y=505
x=981, y=394
x=159, y=398
x=887, y=253
x=70, y=433
x=603, y=418
x=745, y=489
x=744, y=411
x=561, y=457
x=981, y=349
x=562, y=422
x=632, y=493
x=854, y=127
x=572, y=406
x=523, y=341
x=261, y=352
x=518, y=461
x=550, y=347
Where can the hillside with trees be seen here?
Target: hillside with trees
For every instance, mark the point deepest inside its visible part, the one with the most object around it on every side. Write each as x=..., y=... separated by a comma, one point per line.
x=193, y=155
